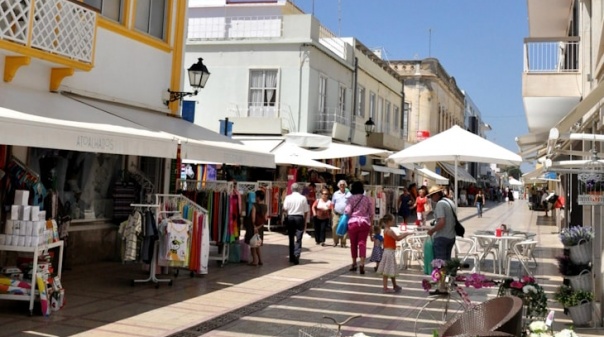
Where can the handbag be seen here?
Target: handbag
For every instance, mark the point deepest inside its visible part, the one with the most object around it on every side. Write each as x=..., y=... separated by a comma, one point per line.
x=255, y=241
x=459, y=228
x=342, y=225
x=428, y=207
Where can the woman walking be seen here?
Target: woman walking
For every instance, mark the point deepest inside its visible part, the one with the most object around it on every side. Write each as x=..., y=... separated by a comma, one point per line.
x=321, y=212
x=420, y=207
x=258, y=219
x=479, y=202
x=361, y=214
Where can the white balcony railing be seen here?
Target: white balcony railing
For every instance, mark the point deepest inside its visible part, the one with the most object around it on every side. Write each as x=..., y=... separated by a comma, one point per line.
x=235, y=27
x=325, y=120
x=282, y=111
x=542, y=55
x=59, y=26
x=332, y=42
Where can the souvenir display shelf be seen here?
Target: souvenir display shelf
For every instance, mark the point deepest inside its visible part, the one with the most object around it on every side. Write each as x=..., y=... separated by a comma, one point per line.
x=36, y=251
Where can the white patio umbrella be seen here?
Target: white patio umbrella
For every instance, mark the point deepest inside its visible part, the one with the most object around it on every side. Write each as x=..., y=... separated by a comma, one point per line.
x=455, y=145
x=291, y=154
x=513, y=181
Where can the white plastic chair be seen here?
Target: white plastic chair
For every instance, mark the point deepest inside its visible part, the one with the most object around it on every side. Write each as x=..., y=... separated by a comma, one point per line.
x=486, y=247
x=468, y=249
x=523, y=252
x=412, y=248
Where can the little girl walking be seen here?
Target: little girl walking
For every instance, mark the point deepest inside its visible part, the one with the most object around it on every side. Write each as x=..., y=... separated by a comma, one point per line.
x=378, y=248
x=387, y=266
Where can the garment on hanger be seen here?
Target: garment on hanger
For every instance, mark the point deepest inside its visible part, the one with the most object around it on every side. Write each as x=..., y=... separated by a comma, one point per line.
x=150, y=235
x=129, y=232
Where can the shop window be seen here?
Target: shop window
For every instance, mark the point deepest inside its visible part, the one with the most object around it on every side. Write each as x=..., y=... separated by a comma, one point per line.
x=111, y=9
x=151, y=17
x=83, y=181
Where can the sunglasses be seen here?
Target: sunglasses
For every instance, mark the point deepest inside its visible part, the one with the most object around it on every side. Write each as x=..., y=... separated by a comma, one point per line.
x=324, y=193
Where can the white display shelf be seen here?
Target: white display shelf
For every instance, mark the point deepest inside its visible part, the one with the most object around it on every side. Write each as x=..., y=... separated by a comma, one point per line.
x=36, y=251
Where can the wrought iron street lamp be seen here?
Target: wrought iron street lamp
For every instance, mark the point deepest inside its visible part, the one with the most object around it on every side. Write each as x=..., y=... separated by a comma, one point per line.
x=369, y=126
x=198, y=77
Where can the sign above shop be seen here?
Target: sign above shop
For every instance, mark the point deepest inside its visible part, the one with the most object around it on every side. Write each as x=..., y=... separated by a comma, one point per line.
x=422, y=135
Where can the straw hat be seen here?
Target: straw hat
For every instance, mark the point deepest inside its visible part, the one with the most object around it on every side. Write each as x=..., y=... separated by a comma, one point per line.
x=435, y=189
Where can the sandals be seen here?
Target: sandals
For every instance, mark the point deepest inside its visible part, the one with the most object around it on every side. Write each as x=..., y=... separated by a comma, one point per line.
x=398, y=289
x=362, y=270
x=353, y=268
x=388, y=291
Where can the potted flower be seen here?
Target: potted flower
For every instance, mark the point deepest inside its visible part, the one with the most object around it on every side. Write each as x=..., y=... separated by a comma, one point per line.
x=531, y=293
x=576, y=302
x=577, y=240
x=542, y=329
x=579, y=275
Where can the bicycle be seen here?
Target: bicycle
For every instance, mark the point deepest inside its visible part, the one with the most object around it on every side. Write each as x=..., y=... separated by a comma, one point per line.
x=439, y=309
x=323, y=331
x=443, y=306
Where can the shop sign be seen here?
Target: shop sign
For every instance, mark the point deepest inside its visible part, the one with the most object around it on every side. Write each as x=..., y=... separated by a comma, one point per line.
x=94, y=144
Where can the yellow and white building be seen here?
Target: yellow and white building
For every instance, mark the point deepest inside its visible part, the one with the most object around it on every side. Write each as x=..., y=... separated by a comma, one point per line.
x=82, y=104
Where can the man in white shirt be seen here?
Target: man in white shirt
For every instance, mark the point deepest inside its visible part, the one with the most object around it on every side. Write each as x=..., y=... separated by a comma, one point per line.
x=339, y=201
x=296, y=207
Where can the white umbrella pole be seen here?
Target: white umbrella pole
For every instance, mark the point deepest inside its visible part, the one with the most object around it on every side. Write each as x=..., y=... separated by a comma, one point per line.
x=455, y=193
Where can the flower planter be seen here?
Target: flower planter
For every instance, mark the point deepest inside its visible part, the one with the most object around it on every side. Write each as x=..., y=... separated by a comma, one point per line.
x=581, y=314
x=581, y=253
x=581, y=281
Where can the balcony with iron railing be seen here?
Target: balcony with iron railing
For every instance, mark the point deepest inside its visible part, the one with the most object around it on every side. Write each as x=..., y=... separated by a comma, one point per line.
x=58, y=27
x=325, y=120
x=551, y=81
x=254, y=28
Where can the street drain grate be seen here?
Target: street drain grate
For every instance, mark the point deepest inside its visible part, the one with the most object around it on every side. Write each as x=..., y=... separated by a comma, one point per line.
x=236, y=314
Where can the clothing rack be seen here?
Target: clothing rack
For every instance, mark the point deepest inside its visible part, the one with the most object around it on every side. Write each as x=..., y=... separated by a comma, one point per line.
x=202, y=250
x=152, y=267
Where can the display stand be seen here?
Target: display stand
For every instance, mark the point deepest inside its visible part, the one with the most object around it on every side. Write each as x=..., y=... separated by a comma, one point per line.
x=152, y=267
x=160, y=199
x=36, y=251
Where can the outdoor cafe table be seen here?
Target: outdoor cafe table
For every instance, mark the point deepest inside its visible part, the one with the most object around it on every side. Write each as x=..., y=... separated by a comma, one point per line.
x=503, y=243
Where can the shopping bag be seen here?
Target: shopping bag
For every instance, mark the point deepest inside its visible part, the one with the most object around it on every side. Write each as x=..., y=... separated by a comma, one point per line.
x=255, y=241
x=342, y=225
x=245, y=252
x=428, y=256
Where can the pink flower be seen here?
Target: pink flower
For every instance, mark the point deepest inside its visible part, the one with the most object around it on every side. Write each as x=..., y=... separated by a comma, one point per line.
x=426, y=285
x=436, y=275
x=516, y=285
x=527, y=280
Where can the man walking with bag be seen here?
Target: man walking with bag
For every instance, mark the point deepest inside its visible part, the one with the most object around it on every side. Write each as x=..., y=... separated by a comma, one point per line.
x=339, y=201
x=296, y=207
x=443, y=232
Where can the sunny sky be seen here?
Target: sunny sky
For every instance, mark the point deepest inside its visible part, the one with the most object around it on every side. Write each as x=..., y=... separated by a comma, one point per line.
x=479, y=42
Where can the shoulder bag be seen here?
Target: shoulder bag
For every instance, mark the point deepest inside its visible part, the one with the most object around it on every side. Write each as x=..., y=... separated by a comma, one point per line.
x=459, y=229
x=343, y=223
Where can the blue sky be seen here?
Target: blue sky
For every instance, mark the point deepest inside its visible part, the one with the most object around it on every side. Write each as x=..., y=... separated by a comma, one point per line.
x=479, y=42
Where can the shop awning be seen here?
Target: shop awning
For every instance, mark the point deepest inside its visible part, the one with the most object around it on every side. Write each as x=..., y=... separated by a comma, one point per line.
x=386, y=169
x=155, y=120
x=462, y=174
x=232, y=154
x=198, y=143
x=42, y=119
x=440, y=180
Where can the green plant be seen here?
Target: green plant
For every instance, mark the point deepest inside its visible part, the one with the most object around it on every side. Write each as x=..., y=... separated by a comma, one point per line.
x=567, y=297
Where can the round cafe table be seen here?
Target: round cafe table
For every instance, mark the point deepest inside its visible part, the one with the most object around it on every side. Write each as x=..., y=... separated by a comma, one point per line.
x=503, y=243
